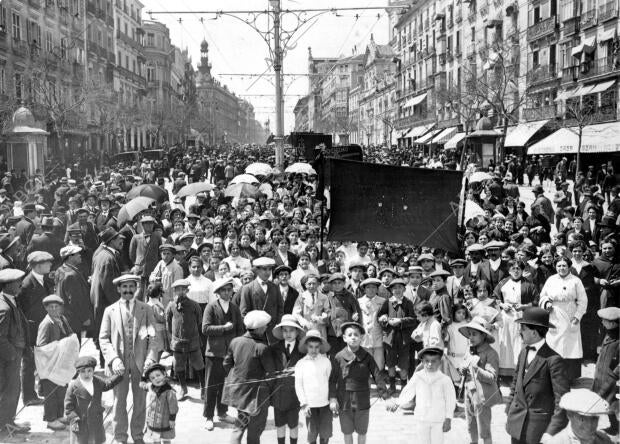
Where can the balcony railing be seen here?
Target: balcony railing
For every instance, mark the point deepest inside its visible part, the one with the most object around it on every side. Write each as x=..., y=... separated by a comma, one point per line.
x=542, y=28
x=600, y=66
x=571, y=26
x=20, y=48
x=588, y=19
x=608, y=11
x=542, y=74
x=540, y=112
x=570, y=73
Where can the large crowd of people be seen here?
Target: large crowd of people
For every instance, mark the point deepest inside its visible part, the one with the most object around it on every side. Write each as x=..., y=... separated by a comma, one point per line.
x=239, y=288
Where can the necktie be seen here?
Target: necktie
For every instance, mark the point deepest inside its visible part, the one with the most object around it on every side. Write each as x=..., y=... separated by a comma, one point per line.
x=127, y=305
x=289, y=349
x=528, y=349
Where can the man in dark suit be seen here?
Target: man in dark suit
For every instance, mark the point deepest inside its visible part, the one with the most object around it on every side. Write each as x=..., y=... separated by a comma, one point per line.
x=262, y=294
x=477, y=268
x=590, y=224
x=13, y=341
x=498, y=268
x=25, y=228
x=104, y=215
x=89, y=234
x=35, y=287
x=533, y=411
x=144, y=249
x=288, y=293
x=74, y=289
x=47, y=242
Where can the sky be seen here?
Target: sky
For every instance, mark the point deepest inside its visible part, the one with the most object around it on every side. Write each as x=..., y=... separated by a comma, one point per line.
x=239, y=55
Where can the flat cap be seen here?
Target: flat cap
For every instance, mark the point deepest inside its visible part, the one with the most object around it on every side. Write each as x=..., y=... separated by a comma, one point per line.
x=415, y=269
x=370, y=281
x=282, y=268
x=10, y=275
x=357, y=263
x=126, y=278
x=37, y=257
x=180, y=283
x=494, y=244
x=442, y=273
x=387, y=270
x=475, y=247
x=457, y=262
x=168, y=247
x=185, y=236
x=337, y=277
x=609, y=313
x=263, y=262
x=426, y=257
x=52, y=299
x=256, y=319
x=584, y=402
x=397, y=282
x=221, y=283
x=70, y=250
x=85, y=362
x=147, y=218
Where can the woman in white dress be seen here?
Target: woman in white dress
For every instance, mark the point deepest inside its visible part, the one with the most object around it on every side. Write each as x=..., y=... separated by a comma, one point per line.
x=514, y=294
x=564, y=296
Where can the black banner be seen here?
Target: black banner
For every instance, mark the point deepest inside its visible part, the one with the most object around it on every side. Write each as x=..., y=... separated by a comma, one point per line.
x=375, y=202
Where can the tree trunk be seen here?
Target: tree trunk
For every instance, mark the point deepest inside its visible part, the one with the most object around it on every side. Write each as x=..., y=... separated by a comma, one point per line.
x=578, y=157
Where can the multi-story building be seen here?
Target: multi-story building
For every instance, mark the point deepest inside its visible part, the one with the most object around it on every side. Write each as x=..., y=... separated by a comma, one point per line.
x=301, y=114
x=355, y=135
x=317, y=70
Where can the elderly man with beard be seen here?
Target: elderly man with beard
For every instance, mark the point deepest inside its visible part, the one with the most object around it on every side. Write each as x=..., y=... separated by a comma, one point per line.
x=129, y=345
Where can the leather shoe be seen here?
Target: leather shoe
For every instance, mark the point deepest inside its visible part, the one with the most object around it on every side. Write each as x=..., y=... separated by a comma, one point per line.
x=56, y=425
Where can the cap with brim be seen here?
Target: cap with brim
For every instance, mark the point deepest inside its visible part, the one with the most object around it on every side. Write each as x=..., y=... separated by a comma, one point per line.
x=584, y=402
x=535, y=316
x=193, y=216
x=263, y=262
x=282, y=268
x=180, y=283
x=426, y=257
x=146, y=219
x=387, y=270
x=38, y=257
x=81, y=211
x=256, y=319
x=415, y=269
x=478, y=324
x=109, y=234
x=442, y=273
x=609, y=313
x=357, y=264
x=168, y=247
x=10, y=275
x=126, y=278
x=85, y=362
x=221, y=283
x=52, y=299
x=324, y=277
x=397, y=282
x=475, y=247
x=287, y=321
x=370, y=281
x=315, y=335
x=430, y=350
x=179, y=249
x=494, y=244
x=203, y=245
x=337, y=277
x=151, y=368
x=346, y=325
x=457, y=262
x=70, y=250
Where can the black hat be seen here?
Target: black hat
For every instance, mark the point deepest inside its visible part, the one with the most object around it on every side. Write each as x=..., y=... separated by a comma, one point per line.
x=345, y=325
x=535, y=316
x=151, y=368
x=85, y=361
x=282, y=268
x=108, y=235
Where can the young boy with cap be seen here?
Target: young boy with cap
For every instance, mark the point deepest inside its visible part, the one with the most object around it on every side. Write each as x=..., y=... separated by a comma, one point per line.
x=167, y=271
x=607, y=370
x=480, y=370
x=184, y=324
x=370, y=304
x=83, y=409
x=161, y=404
x=354, y=367
x=286, y=354
x=315, y=386
x=434, y=395
x=53, y=327
x=341, y=306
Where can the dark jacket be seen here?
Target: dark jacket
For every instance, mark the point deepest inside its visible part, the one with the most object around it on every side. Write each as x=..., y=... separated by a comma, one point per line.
x=340, y=307
x=292, y=258
x=24, y=229
x=106, y=266
x=354, y=371
x=30, y=300
x=284, y=396
x=253, y=297
x=13, y=330
x=74, y=289
x=399, y=335
x=87, y=410
x=219, y=338
x=607, y=370
x=49, y=243
x=50, y=331
x=529, y=292
x=184, y=324
x=289, y=302
x=533, y=405
x=483, y=273
x=248, y=358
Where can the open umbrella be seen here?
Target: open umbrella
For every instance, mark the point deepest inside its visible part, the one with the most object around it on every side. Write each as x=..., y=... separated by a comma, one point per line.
x=148, y=190
x=194, y=188
x=472, y=209
x=300, y=168
x=259, y=169
x=241, y=190
x=132, y=208
x=266, y=189
x=244, y=178
x=479, y=176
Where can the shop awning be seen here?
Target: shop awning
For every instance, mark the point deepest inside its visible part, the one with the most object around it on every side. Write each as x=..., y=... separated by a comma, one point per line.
x=420, y=130
x=416, y=100
x=607, y=35
x=445, y=135
x=601, y=138
x=454, y=141
x=523, y=132
x=404, y=133
x=588, y=46
x=427, y=137
x=565, y=95
x=603, y=86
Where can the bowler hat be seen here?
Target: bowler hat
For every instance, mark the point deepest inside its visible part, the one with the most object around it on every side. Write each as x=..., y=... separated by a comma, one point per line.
x=535, y=316
x=108, y=235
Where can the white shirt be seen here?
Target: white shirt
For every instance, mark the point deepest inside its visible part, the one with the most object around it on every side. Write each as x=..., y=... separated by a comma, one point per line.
x=263, y=285
x=284, y=292
x=200, y=289
x=473, y=268
x=224, y=304
x=531, y=354
x=312, y=381
x=38, y=277
x=88, y=385
x=124, y=305
x=284, y=257
x=289, y=346
x=434, y=394
x=495, y=263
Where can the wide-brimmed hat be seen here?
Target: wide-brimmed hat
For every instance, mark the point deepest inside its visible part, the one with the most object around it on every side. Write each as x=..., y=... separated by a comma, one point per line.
x=109, y=234
x=288, y=320
x=535, y=316
x=479, y=324
x=344, y=326
x=313, y=334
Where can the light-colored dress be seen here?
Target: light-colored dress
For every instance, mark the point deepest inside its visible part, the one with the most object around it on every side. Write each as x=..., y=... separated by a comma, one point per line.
x=374, y=334
x=568, y=300
x=308, y=306
x=510, y=342
x=458, y=345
